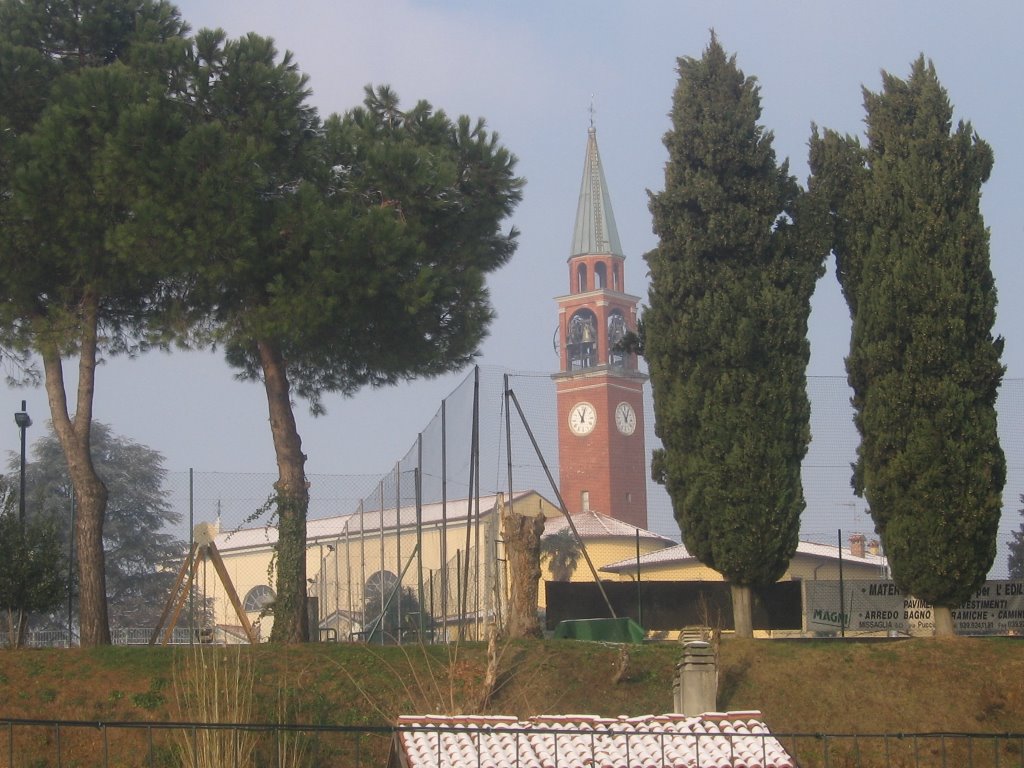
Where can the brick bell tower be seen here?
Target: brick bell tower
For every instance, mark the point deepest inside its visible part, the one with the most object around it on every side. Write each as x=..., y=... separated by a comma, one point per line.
x=602, y=457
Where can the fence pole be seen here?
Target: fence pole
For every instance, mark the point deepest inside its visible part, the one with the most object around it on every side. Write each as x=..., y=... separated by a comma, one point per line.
x=380, y=497
x=444, y=499
x=362, y=565
x=842, y=590
x=639, y=593
x=475, y=486
x=419, y=549
x=464, y=604
x=191, y=543
x=509, y=394
x=398, y=542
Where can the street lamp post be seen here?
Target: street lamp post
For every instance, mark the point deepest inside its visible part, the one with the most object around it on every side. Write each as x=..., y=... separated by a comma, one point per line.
x=22, y=419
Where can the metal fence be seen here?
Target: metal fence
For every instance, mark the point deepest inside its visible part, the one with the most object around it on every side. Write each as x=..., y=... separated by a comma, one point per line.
x=59, y=638
x=84, y=744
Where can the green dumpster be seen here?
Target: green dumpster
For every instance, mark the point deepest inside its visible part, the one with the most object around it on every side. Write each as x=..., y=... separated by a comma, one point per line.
x=604, y=630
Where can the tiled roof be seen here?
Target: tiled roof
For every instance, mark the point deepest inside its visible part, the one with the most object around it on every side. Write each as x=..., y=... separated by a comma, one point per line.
x=330, y=528
x=594, y=525
x=679, y=554
x=721, y=740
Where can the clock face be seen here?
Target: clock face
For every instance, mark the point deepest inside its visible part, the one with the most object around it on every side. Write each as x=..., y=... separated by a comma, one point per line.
x=582, y=419
x=625, y=418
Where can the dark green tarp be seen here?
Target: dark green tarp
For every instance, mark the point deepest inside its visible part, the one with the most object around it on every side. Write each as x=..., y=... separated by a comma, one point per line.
x=623, y=630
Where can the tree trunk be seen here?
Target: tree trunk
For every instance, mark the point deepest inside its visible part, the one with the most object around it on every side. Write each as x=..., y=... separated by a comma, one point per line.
x=90, y=491
x=522, y=550
x=291, y=622
x=742, y=611
x=943, y=621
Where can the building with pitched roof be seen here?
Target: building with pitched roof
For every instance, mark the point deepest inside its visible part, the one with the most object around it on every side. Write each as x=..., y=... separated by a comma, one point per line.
x=812, y=562
x=718, y=740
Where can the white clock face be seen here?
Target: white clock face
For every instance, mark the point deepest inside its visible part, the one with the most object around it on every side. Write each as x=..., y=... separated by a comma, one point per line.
x=625, y=418
x=582, y=419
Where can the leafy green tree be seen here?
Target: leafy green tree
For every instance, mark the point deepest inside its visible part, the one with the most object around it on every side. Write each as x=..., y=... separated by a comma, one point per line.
x=563, y=552
x=87, y=139
x=31, y=565
x=725, y=335
x=912, y=259
x=338, y=254
x=142, y=554
x=1016, y=544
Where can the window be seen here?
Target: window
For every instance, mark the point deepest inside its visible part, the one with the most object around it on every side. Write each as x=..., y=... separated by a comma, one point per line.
x=581, y=278
x=258, y=598
x=600, y=275
x=585, y=500
x=382, y=583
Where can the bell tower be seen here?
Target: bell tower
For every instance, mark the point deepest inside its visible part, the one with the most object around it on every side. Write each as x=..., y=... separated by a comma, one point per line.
x=602, y=457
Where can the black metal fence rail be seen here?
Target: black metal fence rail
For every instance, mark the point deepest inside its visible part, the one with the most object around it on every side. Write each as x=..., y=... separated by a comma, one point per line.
x=28, y=743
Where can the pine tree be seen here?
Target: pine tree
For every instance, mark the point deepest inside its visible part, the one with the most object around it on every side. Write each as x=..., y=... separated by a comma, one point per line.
x=725, y=335
x=86, y=138
x=912, y=258
x=335, y=254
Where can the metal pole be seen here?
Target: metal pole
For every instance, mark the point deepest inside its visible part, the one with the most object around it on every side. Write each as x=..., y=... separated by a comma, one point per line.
x=475, y=485
x=398, y=541
x=419, y=549
x=24, y=422
x=499, y=593
x=348, y=573
x=444, y=509
x=362, y=567
x=337, y=587
x=639, y=593
x=383, y=625
x=191, y=544
x=842, y=595
x=509, y=394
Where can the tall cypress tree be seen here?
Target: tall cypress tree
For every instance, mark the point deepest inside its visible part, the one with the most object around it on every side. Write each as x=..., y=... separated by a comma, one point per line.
x=725, y=335
x=912, y=256
x=1015, y=562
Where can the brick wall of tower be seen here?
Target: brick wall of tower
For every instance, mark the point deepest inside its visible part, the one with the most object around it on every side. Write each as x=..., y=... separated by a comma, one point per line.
x=610, y=466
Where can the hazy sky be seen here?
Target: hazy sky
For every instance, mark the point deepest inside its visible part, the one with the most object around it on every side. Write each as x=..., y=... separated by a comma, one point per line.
x=533, y=69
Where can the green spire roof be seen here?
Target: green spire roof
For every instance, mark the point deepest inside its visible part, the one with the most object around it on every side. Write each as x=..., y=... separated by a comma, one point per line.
x=595, y=231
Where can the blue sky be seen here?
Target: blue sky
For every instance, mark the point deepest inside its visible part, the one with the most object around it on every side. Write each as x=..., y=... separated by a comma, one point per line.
x=533, y=69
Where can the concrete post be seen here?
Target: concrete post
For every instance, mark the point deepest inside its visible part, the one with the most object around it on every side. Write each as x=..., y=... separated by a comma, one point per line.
x=697, y=680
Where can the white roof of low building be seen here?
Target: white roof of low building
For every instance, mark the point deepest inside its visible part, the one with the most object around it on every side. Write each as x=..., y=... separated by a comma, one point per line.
x=721, y=740
x=594, y=525
x=370, y=521
x=680, y=555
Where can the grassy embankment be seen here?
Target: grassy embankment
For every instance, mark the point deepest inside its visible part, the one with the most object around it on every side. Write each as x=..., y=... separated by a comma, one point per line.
x=960, y=685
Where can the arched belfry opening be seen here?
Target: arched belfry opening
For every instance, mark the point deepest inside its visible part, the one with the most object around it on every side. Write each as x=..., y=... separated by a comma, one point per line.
x=581, y=340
